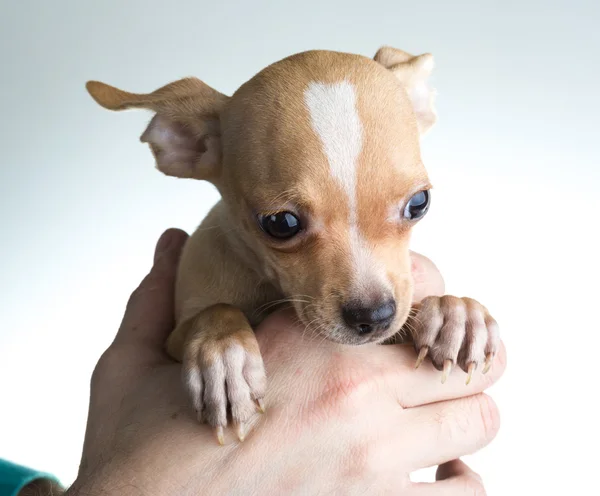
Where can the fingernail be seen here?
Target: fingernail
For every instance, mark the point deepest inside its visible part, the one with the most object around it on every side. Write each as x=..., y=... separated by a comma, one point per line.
x=163, y=244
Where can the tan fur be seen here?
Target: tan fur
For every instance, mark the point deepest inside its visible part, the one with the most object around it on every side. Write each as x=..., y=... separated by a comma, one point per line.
x=259, y=149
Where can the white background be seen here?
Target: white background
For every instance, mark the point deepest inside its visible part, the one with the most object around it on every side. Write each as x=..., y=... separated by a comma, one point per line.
x=513, y=220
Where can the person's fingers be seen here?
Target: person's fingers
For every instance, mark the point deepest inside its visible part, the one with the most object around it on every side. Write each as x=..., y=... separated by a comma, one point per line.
x=427, y=278
x=439, y=432
x=454, y=478
x=411, y=387
x=149, y=315
x=424, y=385
x=442, y=432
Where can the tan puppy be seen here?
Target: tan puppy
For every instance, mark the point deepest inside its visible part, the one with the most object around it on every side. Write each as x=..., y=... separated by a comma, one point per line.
x=317, y=159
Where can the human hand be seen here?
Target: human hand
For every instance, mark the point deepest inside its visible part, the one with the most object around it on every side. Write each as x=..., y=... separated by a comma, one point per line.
x=339, y=419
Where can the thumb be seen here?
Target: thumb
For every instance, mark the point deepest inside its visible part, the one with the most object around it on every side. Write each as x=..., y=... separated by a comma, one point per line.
x=456, y=469
x=149, y=316
x=452, y=478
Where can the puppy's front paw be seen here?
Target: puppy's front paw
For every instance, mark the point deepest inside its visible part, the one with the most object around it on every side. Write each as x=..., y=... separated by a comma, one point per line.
x=454, y=331
x=225, y=373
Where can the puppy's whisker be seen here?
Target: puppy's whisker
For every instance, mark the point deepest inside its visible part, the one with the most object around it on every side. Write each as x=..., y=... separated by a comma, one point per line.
x=271, y=304
x=310, y=326
x=315, y=329
x=283, y=303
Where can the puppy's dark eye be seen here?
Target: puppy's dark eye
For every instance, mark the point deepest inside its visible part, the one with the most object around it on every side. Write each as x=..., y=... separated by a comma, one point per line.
x=417, y=206
x=282, y=225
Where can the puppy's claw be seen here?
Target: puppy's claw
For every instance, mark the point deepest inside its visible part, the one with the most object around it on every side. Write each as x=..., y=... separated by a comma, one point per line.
x=219, y=434
x=470, y=370
x=240, y=430
x=261, y=405
x=447, y=369
x=422, y=354
x=488, y=363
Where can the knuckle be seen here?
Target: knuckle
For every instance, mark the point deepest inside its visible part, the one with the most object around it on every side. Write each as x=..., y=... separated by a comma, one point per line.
x=475, y=417
x=137, y=294
x=342, y=392
x=487, y=411
x=109, y=363
x=150, y=283
x=345, y=389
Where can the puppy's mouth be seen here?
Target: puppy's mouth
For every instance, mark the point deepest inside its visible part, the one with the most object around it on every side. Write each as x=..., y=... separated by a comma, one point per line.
x=353, y=328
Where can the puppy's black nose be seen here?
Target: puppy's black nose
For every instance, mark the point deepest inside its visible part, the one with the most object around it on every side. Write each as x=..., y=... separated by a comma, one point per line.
x=368, y=319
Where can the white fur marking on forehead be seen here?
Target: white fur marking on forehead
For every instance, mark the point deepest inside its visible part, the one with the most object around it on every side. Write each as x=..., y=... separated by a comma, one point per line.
x=335, y=119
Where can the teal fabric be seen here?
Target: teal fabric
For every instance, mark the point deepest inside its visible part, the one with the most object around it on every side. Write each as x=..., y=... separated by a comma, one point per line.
x=15, y=477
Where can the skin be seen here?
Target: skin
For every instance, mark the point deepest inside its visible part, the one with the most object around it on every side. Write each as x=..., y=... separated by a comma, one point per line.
x=358, y=420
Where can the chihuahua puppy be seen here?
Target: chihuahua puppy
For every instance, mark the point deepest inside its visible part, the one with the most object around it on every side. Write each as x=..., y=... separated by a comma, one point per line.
x=317, y=160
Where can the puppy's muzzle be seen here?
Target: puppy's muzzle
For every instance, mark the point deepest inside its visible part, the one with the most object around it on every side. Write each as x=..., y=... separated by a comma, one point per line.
x=366, y=320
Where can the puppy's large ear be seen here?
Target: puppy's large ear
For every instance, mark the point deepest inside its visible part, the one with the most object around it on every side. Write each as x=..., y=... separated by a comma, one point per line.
x=413, y=72
x=184, y=134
